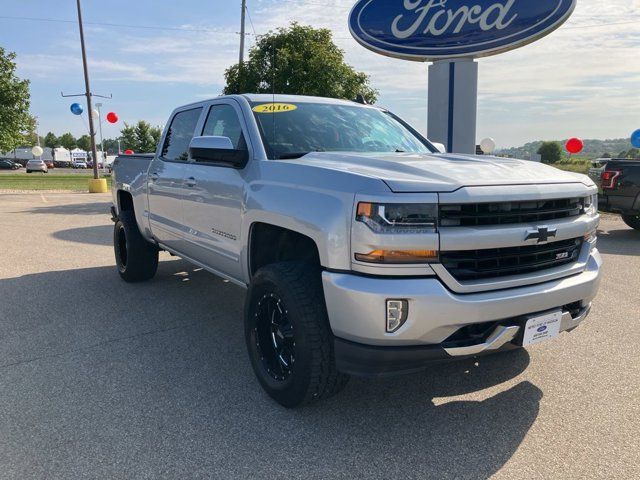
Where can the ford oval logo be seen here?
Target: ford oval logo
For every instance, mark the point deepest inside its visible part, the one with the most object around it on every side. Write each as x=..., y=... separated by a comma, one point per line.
x=438, y=29
x=542, y=329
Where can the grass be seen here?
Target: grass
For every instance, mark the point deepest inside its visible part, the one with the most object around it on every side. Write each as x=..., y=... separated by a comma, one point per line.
x=575, y=164
x=39, y=181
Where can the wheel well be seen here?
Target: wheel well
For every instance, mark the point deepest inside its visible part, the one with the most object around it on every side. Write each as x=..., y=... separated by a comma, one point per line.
x=125, y=202
x=270, y=244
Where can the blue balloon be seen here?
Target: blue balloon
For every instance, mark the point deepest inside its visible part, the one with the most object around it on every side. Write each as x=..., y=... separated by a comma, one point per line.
x=635, y=139
x=76, y=109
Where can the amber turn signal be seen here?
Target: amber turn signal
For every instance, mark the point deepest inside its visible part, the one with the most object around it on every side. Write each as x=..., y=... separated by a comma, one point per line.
x=398, y=256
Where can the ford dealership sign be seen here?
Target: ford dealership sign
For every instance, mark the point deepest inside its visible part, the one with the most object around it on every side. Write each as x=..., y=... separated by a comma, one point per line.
x=439, y=29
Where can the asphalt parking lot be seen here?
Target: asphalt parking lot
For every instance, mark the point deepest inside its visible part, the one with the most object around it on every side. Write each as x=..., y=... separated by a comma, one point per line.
x=100, y=379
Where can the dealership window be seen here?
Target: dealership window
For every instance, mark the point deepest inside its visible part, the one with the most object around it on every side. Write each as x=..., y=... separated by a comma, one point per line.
x=181, y=131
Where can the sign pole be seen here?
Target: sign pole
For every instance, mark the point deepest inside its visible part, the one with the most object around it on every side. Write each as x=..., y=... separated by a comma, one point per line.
x=453, y=104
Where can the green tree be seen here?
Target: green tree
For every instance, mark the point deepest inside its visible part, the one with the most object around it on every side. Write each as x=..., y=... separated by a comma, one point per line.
x=298, y=60
x=633, y=153
x=606, y=155
x=84, y=143
x=15, y=121
x=68, y=141
x=110, y=146
x=51, y=141
x=141, y=137
x=551, y=152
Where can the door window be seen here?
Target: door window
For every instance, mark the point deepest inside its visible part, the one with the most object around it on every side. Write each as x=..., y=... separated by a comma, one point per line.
x=180, y=134
x=223, y=121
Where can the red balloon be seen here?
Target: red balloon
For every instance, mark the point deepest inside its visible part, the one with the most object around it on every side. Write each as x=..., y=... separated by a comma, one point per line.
x=574, y=145
x=128, y=152
x=112, y=117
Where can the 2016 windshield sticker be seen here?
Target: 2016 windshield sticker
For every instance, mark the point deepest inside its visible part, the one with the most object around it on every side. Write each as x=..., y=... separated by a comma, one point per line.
x=275, y=108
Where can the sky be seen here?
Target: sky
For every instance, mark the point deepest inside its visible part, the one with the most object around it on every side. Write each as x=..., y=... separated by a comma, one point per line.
x=154, y=55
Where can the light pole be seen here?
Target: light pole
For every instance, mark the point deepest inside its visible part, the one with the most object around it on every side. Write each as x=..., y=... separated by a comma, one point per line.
x=98, y=106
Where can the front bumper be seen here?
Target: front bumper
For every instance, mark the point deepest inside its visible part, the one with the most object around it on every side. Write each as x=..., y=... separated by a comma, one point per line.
x=374, y=361
x=356, y=306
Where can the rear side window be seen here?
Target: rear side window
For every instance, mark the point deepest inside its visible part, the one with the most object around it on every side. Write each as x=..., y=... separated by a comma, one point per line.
x=181, y=131
x=223, y=121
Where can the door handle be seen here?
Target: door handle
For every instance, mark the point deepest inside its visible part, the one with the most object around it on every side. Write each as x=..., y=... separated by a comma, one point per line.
x=153, y=177
x=190, y=182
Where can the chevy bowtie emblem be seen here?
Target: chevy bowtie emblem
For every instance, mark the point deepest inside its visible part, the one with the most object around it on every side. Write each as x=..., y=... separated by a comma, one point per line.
x=542, y=234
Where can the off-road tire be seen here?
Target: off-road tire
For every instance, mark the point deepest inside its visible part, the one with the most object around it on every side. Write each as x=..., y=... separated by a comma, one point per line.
x=136, y=258
x=632, y=220
x=313, y=375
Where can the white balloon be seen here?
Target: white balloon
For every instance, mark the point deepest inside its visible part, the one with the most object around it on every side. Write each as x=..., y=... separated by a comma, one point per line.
x=37, y=151
x=95, y=114
x=488, y=146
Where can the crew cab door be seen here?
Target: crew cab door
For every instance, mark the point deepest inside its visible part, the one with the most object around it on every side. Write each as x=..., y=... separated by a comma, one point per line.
x=166, y=187
x=213, y=203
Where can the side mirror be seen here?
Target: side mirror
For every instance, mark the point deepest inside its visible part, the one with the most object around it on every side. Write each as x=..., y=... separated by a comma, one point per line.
x=217, y=150
x=440, y=147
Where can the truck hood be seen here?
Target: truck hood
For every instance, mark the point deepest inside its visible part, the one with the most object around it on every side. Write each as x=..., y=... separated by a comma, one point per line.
x=416, y=173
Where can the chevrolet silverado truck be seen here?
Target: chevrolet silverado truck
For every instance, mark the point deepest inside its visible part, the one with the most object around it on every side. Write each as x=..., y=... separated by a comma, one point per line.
x=620, y=190
x=363, y=248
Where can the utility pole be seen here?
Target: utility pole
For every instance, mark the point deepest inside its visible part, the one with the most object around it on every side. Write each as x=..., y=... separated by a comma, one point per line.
x=242, y=30
x=92, y=132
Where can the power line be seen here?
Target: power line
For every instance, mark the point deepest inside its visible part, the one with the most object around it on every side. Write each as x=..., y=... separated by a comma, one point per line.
x=123, y=25
x=229, y=32
x=251, y=22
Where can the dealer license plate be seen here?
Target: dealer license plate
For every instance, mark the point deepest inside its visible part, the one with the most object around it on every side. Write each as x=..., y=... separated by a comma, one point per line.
x=542, y=328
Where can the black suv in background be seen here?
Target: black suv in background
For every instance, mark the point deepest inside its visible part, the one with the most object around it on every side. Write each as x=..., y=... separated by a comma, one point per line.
x=620, y=183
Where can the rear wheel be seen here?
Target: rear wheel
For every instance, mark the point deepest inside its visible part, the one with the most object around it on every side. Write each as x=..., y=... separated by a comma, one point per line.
x=632, y=220
x=136, y=259
x=288, y=336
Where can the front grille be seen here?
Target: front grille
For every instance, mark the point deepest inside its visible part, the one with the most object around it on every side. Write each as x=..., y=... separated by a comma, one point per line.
x=505, y=213
x=503, y=262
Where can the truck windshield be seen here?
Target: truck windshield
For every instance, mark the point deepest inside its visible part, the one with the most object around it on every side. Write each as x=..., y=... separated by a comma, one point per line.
x=293, y=130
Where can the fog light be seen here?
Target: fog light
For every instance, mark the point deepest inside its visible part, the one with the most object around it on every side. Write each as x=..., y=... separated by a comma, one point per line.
x=397, y=313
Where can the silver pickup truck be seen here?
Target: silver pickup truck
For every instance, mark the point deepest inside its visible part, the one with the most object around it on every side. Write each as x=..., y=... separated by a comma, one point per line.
x=364, y=249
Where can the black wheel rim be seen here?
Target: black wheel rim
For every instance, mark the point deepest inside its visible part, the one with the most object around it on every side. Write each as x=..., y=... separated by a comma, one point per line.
x=274, y=337
x=121, y=247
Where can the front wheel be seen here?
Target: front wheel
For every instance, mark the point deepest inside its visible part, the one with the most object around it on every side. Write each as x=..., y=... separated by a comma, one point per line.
x=288, y=336
x=136, y=258
x=632, y=220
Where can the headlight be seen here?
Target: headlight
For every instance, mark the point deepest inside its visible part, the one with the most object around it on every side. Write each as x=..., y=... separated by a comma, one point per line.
x=591, y=205
x=398, y=217
x=395, y=219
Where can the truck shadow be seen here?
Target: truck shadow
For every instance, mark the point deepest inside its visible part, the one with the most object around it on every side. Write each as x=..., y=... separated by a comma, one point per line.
x=624, y=241
x=96, y=235
x=89, y=208
x=163, y=365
